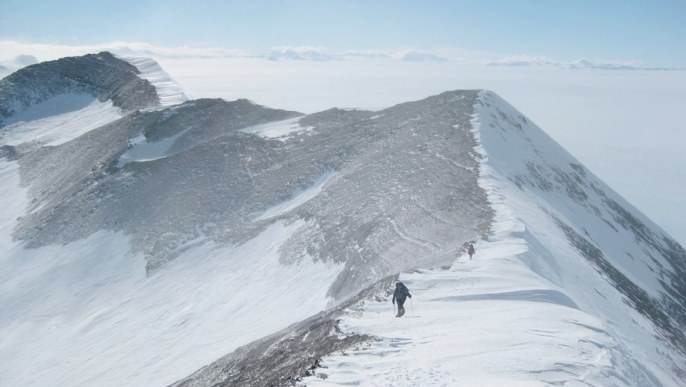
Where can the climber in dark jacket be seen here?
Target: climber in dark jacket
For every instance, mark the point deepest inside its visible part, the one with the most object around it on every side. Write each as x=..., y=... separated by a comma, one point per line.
x=471, y=251
x=399, y=295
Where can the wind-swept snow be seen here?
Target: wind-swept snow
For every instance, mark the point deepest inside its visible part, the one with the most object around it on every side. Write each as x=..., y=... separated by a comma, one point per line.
x=168, y=91
x=584, y=239
x=143, y=150
x=297, y=199
x=58, y=120
x=90, y=304
x=518, y=150
x=485, y=322
x=281, y=130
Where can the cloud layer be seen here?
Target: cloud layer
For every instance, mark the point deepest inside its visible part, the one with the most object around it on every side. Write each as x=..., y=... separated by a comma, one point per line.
x=581, y=63
x=14, y=55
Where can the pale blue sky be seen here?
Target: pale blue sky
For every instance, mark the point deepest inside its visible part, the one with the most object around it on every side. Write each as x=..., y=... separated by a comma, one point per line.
x=651, y=32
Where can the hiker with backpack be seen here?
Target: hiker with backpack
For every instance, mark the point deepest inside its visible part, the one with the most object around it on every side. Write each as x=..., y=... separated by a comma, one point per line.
x=471, y=250
x=400, y=294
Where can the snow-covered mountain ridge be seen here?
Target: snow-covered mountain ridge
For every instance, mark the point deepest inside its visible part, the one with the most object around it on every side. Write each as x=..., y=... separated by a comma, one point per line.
x=530, y=310
x=542, y=304
x=101, y=75
x=54, y=102
x=160, y=240
x=578, y=203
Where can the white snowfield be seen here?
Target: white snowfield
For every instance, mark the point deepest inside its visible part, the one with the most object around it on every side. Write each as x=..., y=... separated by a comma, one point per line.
x=527, y=311
x=281, y=130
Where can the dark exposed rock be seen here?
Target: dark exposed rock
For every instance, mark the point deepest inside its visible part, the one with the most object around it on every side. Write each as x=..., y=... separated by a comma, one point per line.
x=402, y=182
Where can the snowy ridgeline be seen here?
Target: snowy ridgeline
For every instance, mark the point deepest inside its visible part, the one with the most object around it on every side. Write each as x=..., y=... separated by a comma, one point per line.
x=485, y=322
x=529, y=310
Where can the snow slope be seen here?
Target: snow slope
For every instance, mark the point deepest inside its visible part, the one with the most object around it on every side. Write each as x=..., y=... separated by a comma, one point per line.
x=529, y=310
x=486, y=322
x=622, y=257
x=59, y=119
x=85, y=313
x=282, y=130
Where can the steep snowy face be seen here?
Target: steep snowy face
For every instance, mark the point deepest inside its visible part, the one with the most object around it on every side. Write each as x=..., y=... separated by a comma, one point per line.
x=607, y=256
x=101, y=76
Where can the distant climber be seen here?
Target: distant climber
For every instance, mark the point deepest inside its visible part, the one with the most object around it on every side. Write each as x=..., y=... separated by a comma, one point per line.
x=471, y=250
x=399, y=295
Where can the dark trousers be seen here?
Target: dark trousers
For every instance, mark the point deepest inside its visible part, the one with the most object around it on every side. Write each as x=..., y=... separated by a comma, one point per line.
x=401, y=308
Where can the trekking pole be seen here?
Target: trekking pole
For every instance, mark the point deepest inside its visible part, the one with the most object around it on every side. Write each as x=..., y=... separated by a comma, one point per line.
x=412, y=306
